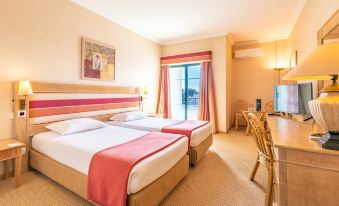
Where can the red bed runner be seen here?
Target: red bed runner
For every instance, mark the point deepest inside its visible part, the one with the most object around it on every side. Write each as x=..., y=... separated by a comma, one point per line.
x=110, y=168
x=185, y=128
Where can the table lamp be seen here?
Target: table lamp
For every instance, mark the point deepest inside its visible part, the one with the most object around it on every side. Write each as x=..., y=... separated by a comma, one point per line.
x=24, y=90
x=323, y=64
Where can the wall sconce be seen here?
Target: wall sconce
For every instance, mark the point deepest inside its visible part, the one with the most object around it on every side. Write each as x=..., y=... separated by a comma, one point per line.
x=143, y=96
x=24, y=90
x=277, y=68
x=144, y=93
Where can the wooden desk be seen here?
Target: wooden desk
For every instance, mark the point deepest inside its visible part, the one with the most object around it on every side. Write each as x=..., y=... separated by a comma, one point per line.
x=9, y=151
x=306, y=173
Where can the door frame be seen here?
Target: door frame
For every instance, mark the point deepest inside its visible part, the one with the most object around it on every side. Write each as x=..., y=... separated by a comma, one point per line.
x=186, y=81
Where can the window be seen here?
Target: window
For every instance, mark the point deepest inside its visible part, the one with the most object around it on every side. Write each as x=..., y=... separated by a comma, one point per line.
x=185, y=91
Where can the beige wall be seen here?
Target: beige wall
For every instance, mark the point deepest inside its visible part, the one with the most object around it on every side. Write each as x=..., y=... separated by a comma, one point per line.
x=303, y=37
x=229, y=81
x=40, y=41
x=218, y=47
x=254, y=78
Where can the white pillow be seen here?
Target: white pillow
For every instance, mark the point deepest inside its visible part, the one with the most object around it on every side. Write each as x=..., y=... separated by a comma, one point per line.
x=75, y=125
x=128, y=116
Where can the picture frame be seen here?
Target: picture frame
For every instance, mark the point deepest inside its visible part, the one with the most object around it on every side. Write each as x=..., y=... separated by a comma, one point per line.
x=97, y=60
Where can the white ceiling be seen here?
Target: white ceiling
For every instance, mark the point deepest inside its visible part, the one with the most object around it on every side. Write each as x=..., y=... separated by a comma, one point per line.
x=173, y=21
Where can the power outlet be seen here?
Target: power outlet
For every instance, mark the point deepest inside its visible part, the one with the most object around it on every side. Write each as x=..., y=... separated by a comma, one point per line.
x=23, y=151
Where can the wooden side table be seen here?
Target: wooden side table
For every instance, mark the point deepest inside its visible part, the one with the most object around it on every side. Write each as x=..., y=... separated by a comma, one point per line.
x=12, y=149
x=156, y=115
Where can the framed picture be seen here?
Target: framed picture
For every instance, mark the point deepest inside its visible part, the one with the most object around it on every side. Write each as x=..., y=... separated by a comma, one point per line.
x=97, y=61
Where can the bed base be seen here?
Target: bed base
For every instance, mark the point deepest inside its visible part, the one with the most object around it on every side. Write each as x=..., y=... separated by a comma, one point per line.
x=75, y=181
x=196, y=153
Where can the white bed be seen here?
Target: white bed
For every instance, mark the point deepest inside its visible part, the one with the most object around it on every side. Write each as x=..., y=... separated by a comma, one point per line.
x=156, y=124
x=77, y=150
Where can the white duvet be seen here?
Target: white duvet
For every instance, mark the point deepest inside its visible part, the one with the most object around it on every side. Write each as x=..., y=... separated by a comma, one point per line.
x=156, y=124
x=77, y=150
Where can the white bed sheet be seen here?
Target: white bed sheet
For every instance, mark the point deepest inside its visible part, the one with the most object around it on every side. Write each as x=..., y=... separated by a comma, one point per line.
x=77, y=150
x=156, y=124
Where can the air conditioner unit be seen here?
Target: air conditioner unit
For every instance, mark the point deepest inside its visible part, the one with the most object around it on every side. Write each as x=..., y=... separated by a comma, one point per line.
x=249, y=53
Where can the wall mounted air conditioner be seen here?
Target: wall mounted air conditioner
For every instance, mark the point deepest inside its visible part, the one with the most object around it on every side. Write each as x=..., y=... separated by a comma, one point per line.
x=249, y=53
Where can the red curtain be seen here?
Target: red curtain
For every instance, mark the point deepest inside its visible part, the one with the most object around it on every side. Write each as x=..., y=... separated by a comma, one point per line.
x=164, y=93
x=207, y=102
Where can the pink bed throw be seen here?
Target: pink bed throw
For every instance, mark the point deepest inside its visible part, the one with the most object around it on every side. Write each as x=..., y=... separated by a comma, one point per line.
x=110, y=168
x=185, y=128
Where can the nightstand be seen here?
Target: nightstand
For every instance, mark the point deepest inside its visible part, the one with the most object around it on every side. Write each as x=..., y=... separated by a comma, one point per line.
x=12, y=149
x=156, y=115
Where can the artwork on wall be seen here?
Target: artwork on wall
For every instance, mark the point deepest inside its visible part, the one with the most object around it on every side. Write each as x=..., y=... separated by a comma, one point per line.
x=98, y=61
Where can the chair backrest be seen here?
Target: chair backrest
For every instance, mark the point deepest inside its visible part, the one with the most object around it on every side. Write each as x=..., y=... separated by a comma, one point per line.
x=269, y=107
x=240, y=105
x=263, y=141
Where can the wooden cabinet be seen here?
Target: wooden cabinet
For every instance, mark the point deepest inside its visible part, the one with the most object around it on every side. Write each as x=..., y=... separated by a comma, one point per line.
x=306, y=174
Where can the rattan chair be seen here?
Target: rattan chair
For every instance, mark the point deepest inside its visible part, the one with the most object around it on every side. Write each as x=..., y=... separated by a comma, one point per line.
x=265, y=155
x=269, y=107
x=239, y=106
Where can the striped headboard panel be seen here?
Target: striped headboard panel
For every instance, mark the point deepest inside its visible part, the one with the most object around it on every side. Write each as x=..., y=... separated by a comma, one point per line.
x=49, y=105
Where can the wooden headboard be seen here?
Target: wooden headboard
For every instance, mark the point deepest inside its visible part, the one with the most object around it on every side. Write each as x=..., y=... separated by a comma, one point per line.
x=53, y=102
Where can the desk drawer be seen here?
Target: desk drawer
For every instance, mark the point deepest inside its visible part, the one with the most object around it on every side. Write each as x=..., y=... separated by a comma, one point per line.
x=7, y=154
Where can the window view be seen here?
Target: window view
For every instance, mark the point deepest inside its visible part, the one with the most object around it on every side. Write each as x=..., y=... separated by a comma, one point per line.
x=185, y=85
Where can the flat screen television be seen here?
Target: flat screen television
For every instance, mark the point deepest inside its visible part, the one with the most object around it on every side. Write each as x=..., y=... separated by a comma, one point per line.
x=293, y=98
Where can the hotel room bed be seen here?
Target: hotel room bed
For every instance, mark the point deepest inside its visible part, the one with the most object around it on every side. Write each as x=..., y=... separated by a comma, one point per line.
x=67, y=158
x=201, y=138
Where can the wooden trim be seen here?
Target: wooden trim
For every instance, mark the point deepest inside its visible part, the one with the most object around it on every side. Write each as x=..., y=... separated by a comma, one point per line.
x=325, y=31
x=21, y=125
x=41, y=87
x=3, y=176
x=308, y=165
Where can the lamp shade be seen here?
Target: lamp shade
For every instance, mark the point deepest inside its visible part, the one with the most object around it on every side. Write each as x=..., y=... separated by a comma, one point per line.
x=319, y=65
x=25, y=88
x=145, y=90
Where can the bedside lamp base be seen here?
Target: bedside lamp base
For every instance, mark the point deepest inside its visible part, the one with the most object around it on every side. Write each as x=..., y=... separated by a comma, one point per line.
x=330, y=141
x=325, y=111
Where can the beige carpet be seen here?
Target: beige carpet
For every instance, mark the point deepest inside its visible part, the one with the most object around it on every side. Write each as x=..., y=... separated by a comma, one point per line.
x=221, y=178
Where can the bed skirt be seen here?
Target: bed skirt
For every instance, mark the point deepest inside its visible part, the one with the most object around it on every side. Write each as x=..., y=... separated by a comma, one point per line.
x=75, y=181
x=196, y=153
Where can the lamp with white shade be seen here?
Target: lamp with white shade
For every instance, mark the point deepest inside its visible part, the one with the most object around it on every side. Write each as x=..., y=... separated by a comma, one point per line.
x=323, y=64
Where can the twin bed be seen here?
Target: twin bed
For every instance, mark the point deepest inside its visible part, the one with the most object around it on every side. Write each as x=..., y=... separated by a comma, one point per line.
x=200, y=138
x=67, y=158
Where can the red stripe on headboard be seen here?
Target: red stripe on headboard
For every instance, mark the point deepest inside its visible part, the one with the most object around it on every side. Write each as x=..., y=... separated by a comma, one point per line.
x=35, y=104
